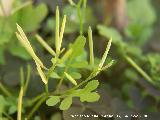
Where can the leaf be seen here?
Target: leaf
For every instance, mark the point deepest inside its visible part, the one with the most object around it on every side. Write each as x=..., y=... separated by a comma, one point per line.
x=53, y=100
x=2, y=61
x=79, y=64
x=55, y=75
x=92, y=85
x=139, y=15
x=56, y=116
x=66, y=103
x=19, y=51
x=77, y=47
x=12, y=109
x=38, y=13
x=5, y=33
x=75, y=75
x=89, y=97
x=3, y=103
x=109, y=32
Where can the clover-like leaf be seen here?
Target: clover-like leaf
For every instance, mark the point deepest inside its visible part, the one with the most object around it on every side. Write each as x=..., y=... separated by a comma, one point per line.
x=92, y=85
x=53, y=100
x=89, y=97
x=66, y=103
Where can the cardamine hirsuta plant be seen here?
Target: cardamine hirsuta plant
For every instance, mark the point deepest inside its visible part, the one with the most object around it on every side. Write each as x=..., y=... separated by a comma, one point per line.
x=64, y=64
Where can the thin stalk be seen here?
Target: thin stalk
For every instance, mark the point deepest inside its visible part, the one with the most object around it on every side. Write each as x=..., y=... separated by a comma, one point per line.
x=8, y=116
x=27, y=78
x=51, y=70
x=91, y=46
x=143, y=73
x=61, y=81
x=80, y=84
x=45, y=45
x=35, y=99
x=20, y=98
x=21, y=76
x=80, y=19
x=37, y=105
x=4, y=90
x=46, y=88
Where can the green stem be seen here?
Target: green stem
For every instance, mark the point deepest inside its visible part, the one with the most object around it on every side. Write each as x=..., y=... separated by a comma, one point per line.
x=8, y=116
x=36, y=107
x=143, y=73
x=46, y=88
x=61, y=81
x=35, y=99
x=92, y=75
x=51, y=70
x=27, y=78
x=4, y=90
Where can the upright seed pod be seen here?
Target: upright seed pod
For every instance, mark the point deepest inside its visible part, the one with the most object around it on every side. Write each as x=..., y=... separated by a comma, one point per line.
x=91, y=46
x=26, y=44
x=73, y=81
x=62, y=31
x=57, y=30
x=105, y=54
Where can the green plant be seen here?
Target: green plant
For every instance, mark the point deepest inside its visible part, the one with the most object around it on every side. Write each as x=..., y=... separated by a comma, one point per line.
x=78, y=14
x=20, y=13
x=65, y=66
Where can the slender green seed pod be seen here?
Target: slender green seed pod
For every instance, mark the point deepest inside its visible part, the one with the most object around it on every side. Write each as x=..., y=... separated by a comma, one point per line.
x=71, y=2
x=105, y=54
x=91, y=46
x=57, y=31
x=70, y=78
x=62, y=31
x=45, y=45
x=26, y=44
x=67, y=55
x=41, y=73
x=108, y=65
x=20, y=98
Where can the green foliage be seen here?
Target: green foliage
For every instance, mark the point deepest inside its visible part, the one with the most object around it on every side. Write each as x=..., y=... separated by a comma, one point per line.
x=136, y=34
x=81, y=93
x=73, y=19
x=20, y=13
x=53, y=100
x=140, y=24
x=66, y=103
x=3, y=104
x=63, y=66
x=153, y=65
